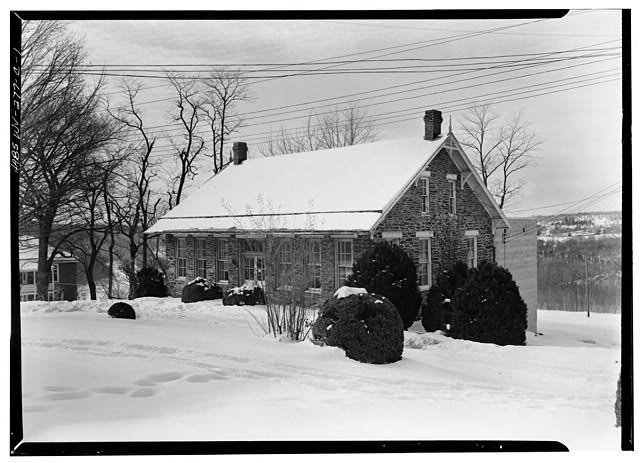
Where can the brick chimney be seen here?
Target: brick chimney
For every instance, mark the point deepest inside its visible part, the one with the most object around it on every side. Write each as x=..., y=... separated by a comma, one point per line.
x=239, y=152
x=432, y=124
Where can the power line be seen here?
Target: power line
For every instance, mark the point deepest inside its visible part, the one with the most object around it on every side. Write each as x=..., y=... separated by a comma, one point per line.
x=323, y=72
x=402, y=85
x=225, y=66
x=417, y=89
x=455, y=102
x=413, y=97
x=461, y=107
x=550, y=34
x=427, y=43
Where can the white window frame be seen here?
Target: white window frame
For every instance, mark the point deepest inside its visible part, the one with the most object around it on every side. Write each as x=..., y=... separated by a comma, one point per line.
x=451, y=178
x=200, y=246
x=285, y=264
x=343, y=264
x=181, y=258
x=222, y=260
x=315, y=266
x=425, y=237
x=423, y=182
x=54, y=275
x=253, y=250
x=472, y=237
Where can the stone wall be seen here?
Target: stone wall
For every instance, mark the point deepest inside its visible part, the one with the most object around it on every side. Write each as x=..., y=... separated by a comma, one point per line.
x=449, y=242
x=234, y=260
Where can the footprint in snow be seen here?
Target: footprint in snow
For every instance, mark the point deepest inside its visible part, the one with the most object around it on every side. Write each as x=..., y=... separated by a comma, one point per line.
x=204, y=378
x=112, y=390
x=151, y=380
x=67, y=395
x=143, y=392
x=57, y=388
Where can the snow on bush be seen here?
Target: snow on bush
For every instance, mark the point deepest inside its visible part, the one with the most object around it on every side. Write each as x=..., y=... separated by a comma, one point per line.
x=200, y=289
x=387, y=270
x=419, y=341
x=247, y=294
x=367, y=330
x=479, y=304
x=345, y=291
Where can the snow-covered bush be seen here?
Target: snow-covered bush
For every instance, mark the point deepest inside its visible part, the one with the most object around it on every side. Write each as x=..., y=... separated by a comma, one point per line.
x=485, y=305
x=387, y=270
x=247, y=294
x=150, y=283
x=200, y=289
x=344, y=291
x=436, y=310
x=618, y=406
x=121, y=310
x=367, y=327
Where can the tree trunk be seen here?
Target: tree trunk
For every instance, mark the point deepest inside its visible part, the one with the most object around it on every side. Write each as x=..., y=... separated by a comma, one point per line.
x=144, y=250
x=110, y=284
x=91, y=282
x=44, y=264
x=112, y=241
x=133, y=283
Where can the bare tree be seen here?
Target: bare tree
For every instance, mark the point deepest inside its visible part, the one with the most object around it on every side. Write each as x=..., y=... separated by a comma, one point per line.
x=516, y=153
x=482, y=135
x=499, y=150
x=91, y=215
x=224, y=89
x=189, y=105
x=136, y=207
x=341, y=127
x=63, y=133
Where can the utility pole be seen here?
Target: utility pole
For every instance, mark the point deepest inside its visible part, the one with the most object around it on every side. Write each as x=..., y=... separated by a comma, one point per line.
x=586, y=282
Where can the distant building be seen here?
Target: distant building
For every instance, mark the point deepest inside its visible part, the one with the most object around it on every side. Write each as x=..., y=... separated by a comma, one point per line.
x=421, y=193
x=63, y=278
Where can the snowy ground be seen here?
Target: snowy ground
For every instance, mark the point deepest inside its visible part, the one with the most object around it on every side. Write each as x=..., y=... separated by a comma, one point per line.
x=205, y=372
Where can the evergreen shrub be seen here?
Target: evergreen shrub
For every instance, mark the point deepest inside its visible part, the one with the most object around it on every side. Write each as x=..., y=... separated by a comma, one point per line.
x=366, y=326
x=150, y=283
x=387, y=270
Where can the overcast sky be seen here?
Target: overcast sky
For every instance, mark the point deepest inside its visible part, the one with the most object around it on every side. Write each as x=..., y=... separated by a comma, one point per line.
x=581, y=127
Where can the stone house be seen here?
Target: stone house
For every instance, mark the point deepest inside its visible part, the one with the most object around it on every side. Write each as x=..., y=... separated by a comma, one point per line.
x=420, y=193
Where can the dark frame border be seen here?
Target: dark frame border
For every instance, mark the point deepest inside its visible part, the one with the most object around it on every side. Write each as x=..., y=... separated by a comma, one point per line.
x=18, y=447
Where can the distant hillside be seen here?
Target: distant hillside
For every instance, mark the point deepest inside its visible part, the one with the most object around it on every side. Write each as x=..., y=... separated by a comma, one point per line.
x=579, y=262
x=585, y=224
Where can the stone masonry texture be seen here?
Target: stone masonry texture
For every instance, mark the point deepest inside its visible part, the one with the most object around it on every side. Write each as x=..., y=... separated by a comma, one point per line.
x=448, y=243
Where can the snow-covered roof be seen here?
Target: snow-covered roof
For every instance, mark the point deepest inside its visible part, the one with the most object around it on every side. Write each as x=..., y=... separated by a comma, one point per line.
x=340, y=189
x=28, y=254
